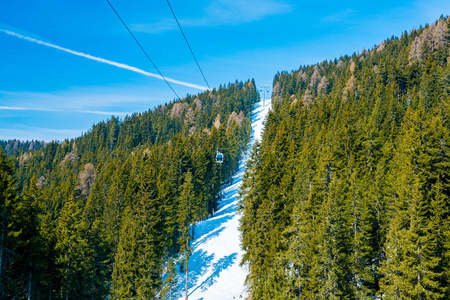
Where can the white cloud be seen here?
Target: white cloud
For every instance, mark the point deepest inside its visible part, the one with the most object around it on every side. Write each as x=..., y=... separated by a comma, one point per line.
x=221, y=12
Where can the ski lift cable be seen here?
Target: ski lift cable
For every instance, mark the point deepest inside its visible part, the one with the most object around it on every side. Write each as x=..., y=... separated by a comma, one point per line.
x=192, y=52
x=137, y=42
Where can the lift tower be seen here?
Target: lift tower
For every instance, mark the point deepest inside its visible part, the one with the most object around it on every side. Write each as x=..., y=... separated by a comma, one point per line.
x=263, y=90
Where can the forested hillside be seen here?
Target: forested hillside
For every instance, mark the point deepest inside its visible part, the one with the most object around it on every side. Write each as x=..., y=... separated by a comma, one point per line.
x=16, y=147
x=348, y=194
x=99, y=216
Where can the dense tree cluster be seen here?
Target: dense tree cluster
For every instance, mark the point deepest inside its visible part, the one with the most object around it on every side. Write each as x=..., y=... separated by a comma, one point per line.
x=101, y=215
x=348, y=194
x=16, y=147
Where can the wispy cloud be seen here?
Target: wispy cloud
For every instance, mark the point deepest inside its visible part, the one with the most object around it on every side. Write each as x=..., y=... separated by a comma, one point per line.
x=341, y=16
x=37, y=133
x=105, y=113
x=95, y=112
x=102, y=60
x=65, y=114
x=25, y=108
x=118, y=101
x=222, y=12
x=157, y=27
x=238, y=12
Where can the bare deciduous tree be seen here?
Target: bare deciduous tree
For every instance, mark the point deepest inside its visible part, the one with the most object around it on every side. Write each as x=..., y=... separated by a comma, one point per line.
x=315, y=78
x=352, y=66
x=307, y=98
x=217, y=122
x=415, y=53
x=440, y=34
x=86, y=179
x=323, y=84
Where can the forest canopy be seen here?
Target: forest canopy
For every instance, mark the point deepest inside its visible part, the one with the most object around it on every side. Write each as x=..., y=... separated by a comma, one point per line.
x=348, y=194
x=101, y=215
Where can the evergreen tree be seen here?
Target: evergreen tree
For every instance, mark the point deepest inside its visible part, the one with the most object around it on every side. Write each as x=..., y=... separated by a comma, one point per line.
x=28, y=242
x=8, y=197
x=169, y=290
x=136, y=274
x=125, y=271
x=184, y=222
x=74, y=255
x=87, y=214
x=347, y=196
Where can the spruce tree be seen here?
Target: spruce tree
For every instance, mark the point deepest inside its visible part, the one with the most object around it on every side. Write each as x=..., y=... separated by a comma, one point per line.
x=137, y=268
x=184, y=222
x=125, y=272
x=74, y=254
x=169, y=289
x=8, y=198
x=28, y=241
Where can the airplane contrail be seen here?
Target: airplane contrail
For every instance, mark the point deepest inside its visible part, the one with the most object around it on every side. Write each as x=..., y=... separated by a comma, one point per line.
x=84, y=111
x=102, y=60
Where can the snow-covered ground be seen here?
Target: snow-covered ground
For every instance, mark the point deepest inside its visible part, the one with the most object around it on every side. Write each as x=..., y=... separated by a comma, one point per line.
x=214, y=271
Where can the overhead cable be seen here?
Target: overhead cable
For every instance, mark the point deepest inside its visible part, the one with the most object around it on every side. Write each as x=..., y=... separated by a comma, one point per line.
x=137, y=42
x=192, y=52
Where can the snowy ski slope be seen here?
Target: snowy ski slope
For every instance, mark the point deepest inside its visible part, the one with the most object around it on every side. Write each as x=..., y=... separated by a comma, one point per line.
x=214, y=271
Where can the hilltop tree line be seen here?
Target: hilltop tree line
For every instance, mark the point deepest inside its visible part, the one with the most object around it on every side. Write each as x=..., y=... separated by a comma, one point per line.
x=17, y=147
x=348, y=194
x=104, y=215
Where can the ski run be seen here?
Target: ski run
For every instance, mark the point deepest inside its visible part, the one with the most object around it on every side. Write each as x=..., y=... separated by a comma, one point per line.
x=214, y=265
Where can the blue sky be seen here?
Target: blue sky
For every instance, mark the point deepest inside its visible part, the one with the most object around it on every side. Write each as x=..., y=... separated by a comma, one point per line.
x=62, y=62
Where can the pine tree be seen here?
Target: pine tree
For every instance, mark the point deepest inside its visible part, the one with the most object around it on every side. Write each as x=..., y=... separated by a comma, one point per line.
x=8, y=197
x=248, y=205
x=409, y=269
x=137, y=270
x=151, y=241
x=184, y=222
x=28, y=242
x=335, y=250
x=125, y=270
x=303, y=235
x=167, y=193
x=169, y=290
x=113, y=212
x=74, y=255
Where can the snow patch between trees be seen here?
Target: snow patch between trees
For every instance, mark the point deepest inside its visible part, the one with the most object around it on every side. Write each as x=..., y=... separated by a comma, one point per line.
x=214, y=265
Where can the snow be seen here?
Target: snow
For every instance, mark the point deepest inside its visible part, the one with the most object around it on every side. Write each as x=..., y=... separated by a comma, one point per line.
x=214, y=265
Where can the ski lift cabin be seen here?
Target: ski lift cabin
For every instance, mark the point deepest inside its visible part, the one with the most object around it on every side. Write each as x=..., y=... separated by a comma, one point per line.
x=219, y=158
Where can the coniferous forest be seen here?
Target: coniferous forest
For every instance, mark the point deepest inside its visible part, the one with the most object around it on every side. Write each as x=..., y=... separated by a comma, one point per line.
x=347, y=196
x=104, y=214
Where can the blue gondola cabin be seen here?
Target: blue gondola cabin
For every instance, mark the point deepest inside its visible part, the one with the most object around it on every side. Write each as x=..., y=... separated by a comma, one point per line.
x=219, y=158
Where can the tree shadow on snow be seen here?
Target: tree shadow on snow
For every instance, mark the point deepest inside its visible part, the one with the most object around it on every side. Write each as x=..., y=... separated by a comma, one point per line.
x=209, y=231
x=199, y=263
x=218, y=267
x=205, y=230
